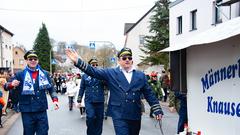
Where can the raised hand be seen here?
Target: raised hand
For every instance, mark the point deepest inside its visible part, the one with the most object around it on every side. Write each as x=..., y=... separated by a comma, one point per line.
x=15, y=83
x=72, y=55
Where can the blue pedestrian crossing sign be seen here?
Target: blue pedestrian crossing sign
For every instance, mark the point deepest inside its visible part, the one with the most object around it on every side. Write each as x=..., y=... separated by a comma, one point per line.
x=53, y=62
x=112, y=59
x=92, y=45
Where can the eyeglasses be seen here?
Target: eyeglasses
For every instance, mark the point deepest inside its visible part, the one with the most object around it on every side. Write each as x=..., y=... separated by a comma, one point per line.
x=125, y=58
x=94, y=65
x=31, y=59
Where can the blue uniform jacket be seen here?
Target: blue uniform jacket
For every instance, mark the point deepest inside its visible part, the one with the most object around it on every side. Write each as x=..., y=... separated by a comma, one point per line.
x=93, y=89
x=32, y=103
x=125, y=98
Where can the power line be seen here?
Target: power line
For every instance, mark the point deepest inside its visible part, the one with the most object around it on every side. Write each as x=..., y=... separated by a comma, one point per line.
x=69, y=11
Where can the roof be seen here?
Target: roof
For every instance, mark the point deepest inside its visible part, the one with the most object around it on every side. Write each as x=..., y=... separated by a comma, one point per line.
x=220, y=32
x=127, y=26
x=21, y=48
x=135, y=24
x=228, y=3
x=7, y=31
x=174, y=3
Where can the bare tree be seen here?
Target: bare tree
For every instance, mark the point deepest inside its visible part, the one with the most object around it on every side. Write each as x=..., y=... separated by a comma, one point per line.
x=104, y=55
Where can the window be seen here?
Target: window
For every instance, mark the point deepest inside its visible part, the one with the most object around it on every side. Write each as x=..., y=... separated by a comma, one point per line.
x=6, y=46
x=6, y=63
x=16, y=52
x=238, y=8
x=193, y=19
x=141, y=40
x=217, y=16
x=21, y=62
x=179, y=25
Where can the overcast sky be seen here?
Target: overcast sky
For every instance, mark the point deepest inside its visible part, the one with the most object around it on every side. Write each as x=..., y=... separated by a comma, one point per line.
x=71, y=20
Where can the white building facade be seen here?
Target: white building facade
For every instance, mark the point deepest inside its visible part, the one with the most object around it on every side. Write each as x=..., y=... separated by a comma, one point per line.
x=205, y=48
x=135, y=40
x=6, y=47
x=188, y=17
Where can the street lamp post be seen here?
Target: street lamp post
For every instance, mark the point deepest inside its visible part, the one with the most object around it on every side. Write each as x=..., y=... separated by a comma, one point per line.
x=50, y=61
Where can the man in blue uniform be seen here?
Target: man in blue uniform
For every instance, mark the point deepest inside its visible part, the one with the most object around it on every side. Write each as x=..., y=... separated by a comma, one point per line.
x=94, y=101
x=126, y=84
x=31, y=85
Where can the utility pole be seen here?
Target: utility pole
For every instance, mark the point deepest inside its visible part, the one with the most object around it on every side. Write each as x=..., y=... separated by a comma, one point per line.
x=50, y=61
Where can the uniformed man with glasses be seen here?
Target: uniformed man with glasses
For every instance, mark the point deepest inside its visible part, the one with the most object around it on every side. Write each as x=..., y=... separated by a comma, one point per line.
x=94, y=101
x=31, y=85
x=126, y=84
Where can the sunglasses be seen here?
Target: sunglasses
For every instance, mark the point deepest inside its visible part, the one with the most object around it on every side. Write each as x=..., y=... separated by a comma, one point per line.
x=31, y=59
x=125, y=58
x=94, y=65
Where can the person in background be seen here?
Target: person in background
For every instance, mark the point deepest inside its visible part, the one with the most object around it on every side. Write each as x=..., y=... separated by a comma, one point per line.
x=126, y=84
x=64, y=87
x=183, y=118
x=106, y=98
x=3, y=79
x=71, y=92
x=156, y=87
x=81, y=105
x=164, y=79
x=58, y=82
x=94, y=101
x=2, y=103
x=31, y=85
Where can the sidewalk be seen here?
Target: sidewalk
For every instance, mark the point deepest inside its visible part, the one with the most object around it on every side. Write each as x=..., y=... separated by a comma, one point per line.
x=10, y=113
x=166, y=104
x=8, y=120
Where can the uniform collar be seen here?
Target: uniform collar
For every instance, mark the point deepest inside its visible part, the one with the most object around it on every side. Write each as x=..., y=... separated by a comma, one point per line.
x=131, y=70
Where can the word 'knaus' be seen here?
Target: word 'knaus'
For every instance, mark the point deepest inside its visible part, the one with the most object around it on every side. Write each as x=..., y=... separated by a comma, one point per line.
x=213, y=77
x=225, y=108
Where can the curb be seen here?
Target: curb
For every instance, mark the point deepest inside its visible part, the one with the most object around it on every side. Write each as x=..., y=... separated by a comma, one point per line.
x=10, y=113
x=8, y=122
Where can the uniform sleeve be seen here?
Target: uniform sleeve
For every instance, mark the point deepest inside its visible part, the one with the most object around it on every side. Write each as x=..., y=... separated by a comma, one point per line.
x=82, y=87
x=52, y=90
x=92, y=71
x=151, y=98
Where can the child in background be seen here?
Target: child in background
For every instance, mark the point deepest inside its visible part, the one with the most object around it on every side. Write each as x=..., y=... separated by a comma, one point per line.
x=71, y=92
x=82, y=106
x=64, y=87
x=2, y=103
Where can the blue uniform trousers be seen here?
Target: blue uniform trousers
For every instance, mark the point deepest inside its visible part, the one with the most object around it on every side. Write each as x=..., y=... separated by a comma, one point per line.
x=95, y=113
x=126, y=127
x=35, y=122
x=182, y=120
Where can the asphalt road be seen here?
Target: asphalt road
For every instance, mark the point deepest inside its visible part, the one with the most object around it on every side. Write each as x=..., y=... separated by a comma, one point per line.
x=65, y=122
